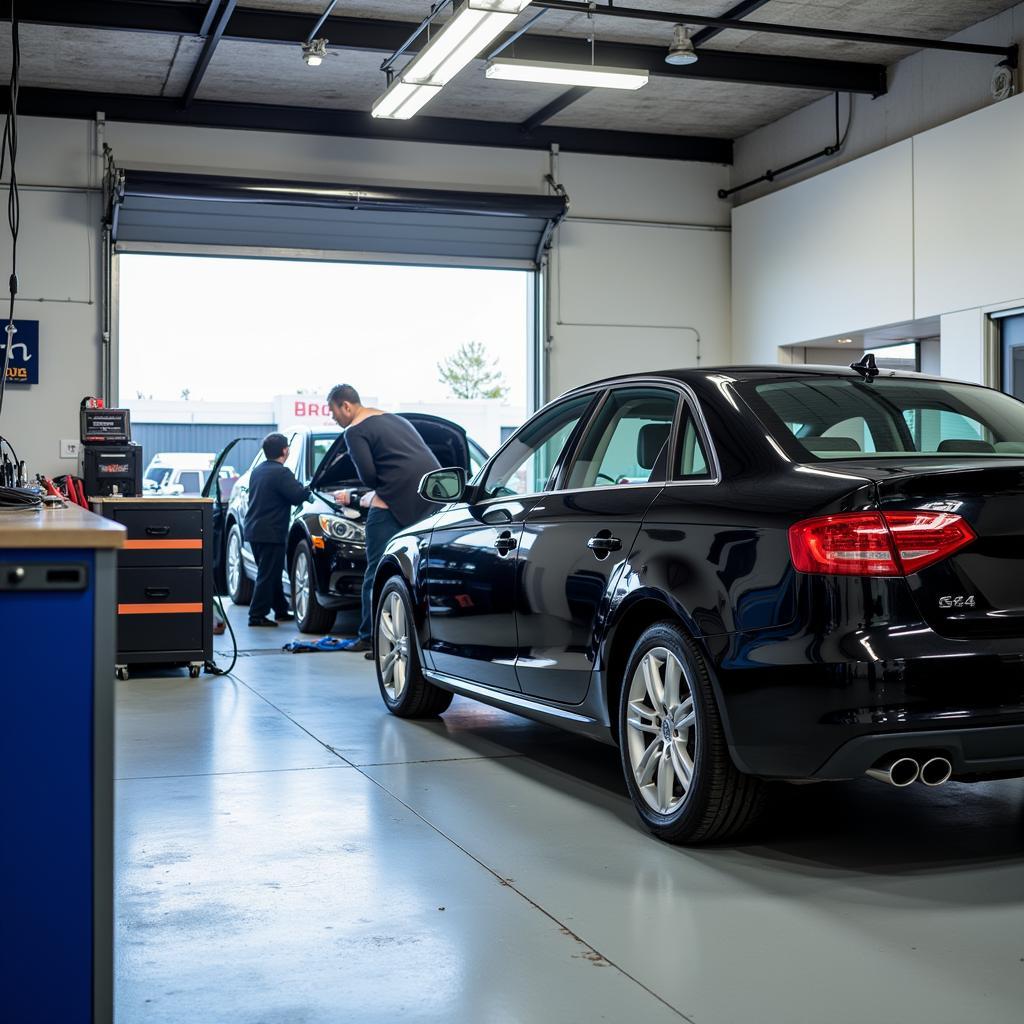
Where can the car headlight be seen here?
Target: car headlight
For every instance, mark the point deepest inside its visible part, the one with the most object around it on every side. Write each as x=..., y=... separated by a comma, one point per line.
x=340, y=529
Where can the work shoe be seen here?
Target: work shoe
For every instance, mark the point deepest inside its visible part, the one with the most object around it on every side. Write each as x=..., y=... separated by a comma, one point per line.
x=260, y=623
x=285, y=617
x=355, y=644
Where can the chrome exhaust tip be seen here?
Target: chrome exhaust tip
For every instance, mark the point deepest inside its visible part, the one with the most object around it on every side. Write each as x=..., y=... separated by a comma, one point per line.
x=936, y=771
x=896, y=770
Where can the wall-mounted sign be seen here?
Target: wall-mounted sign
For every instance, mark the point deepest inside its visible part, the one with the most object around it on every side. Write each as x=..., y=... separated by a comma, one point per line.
x=302, y=410
x=23, y=364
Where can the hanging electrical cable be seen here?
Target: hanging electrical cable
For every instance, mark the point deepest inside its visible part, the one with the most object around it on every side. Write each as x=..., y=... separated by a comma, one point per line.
x=771, y=175
x=9, y=151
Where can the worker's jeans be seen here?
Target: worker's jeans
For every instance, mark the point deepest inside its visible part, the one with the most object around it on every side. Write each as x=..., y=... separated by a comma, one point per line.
x=381, y=526
x=269, y=590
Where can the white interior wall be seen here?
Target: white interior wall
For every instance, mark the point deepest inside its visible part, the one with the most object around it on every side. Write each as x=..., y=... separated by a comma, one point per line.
x=927, y=89
x=929, y=226
x=831, y=254
x=647, y=273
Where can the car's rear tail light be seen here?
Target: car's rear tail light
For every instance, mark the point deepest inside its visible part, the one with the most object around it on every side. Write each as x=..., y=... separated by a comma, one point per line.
x=876, y=543
x=922, y=538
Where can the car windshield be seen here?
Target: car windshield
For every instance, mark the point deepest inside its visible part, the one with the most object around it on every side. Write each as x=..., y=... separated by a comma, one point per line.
x=843, y=418
x=157, y=476
x=321, y=446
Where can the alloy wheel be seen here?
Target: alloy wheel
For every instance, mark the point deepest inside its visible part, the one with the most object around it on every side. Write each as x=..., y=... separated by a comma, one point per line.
x=393, y=646
x=234, y=562
x=300, y=586
x=661, y=728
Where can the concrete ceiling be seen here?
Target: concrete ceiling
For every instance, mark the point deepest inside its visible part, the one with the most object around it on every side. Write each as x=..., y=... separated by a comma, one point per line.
x=241, y=71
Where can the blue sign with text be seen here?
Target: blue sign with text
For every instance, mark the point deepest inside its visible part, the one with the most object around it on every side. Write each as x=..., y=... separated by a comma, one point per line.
x=23, y=363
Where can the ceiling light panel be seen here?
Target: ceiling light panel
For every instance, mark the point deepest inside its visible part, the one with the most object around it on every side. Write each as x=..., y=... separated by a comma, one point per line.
x=474, y=25
x=403, y=99
x=589, y=75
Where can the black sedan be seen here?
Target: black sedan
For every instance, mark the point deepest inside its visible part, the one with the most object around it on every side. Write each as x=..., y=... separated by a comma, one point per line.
x=326, y=547
x=736, y=575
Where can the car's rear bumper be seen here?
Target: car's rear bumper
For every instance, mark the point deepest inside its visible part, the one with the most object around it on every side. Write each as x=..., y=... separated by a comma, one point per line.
x=811, y=707
x=980, y=751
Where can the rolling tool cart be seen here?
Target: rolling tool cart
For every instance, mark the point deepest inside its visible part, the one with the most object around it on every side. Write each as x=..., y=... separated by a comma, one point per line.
x=164, y=581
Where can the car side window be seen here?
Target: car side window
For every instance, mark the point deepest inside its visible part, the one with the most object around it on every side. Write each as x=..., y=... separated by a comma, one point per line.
x=692, y=460
x=628, y=442
x=524, y=465
x=190, y=482
x=295, y=447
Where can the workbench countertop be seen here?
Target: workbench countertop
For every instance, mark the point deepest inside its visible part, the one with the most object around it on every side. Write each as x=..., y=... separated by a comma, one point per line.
x=71, y=527
x=151, y=501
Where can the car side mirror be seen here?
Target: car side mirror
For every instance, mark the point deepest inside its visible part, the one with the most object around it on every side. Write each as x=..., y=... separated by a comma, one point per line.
x=444, y=485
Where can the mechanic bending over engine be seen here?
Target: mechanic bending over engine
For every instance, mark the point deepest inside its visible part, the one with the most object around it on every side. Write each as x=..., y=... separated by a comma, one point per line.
x=273, y=490
x=390, y=458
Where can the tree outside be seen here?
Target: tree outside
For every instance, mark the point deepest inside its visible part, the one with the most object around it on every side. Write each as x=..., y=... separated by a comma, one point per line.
x=470, y=374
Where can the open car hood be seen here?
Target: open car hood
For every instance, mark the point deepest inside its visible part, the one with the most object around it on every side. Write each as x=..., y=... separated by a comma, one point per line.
x=447, y=440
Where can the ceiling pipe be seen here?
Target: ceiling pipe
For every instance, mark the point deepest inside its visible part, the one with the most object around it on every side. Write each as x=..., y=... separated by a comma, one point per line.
x=323, y=17
x=1009, y=53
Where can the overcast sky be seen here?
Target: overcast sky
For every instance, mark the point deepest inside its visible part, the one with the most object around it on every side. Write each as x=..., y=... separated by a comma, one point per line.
x=246, y=330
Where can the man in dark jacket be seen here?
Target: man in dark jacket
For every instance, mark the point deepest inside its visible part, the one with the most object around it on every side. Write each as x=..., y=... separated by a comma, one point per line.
x=390, y=458
x=273, y=490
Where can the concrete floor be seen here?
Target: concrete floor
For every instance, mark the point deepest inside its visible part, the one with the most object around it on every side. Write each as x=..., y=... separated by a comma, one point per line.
x=289, y=853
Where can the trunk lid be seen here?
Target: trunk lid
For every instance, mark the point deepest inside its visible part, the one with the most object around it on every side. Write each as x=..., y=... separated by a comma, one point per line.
x=979, y=590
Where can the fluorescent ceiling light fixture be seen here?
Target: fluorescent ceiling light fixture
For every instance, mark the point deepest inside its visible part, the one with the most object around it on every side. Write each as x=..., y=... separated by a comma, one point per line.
x=474, y=25
x=590, y=75
x=403, y=99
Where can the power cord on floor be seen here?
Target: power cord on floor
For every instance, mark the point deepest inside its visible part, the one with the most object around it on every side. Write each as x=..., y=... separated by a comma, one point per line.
x=211, y=666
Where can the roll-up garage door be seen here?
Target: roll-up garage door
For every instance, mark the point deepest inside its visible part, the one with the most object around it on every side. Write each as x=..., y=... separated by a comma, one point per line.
x=474, y=228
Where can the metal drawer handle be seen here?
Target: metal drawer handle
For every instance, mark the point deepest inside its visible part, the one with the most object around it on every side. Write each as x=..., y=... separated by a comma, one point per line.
x=157, y=531
x=158, y=593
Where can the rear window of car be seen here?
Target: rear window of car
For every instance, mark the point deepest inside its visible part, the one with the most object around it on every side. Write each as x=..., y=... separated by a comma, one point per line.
x=832, y=418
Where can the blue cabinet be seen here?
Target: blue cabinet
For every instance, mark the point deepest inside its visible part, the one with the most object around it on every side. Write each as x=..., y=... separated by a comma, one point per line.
x=57, y=613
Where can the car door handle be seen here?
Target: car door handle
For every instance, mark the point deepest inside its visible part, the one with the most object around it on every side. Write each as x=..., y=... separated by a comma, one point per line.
x=601, y=545
x=505, y=543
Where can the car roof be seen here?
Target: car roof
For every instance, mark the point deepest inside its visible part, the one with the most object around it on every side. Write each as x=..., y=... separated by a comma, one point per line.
x=751, y=372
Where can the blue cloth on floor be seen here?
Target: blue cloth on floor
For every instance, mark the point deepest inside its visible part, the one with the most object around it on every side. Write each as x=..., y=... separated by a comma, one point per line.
x=325, y=643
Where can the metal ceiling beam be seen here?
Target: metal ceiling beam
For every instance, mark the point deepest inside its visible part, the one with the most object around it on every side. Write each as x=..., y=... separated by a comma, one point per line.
x=211, y=13
x=557, y=105
x=804, y=31
x=741, y=10
x=356, y=124
x=290, y=28
x=206, y=54
x=570, y=96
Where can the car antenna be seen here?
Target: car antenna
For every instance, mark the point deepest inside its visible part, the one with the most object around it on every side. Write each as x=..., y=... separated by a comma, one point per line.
x=866, y=367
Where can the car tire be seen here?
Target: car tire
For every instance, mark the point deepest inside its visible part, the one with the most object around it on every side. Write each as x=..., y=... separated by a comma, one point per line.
x=239, y=585
x=406, y=692
x=703, y=797
x=310, y=615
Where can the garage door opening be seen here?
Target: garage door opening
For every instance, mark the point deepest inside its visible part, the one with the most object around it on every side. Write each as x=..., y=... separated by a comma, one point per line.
x=212, y=347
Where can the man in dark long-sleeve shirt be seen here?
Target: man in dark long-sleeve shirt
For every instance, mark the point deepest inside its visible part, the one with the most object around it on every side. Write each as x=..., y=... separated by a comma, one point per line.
x=390, y=457
x=273, y=490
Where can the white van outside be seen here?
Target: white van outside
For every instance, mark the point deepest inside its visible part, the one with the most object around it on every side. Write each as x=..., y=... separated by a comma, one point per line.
x=181, y=473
